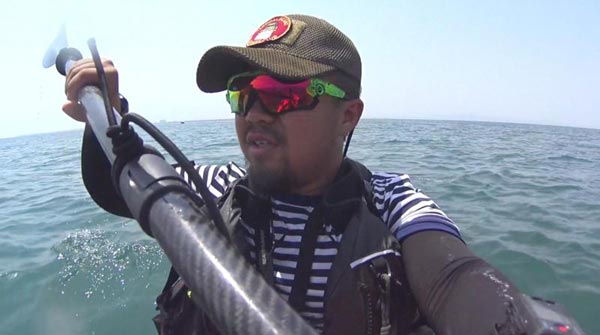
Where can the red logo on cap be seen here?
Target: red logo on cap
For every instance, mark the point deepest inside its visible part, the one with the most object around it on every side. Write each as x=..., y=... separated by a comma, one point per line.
x=271, y=30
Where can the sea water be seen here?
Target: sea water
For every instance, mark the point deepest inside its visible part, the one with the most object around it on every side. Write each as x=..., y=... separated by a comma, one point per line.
x=526, y=198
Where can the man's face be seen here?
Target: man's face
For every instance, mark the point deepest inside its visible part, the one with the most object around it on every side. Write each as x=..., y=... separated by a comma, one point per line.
x=292, y=152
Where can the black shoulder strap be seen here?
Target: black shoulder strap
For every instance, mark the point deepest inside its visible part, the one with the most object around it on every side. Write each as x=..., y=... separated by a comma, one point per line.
x=305, y=260
x=366, y=176
x=310, y=235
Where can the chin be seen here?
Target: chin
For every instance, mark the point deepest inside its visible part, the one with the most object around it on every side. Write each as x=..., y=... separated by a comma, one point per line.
x=264, y=179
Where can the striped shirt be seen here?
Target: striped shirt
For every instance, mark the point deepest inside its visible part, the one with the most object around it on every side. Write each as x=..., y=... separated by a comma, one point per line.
x=402, y=207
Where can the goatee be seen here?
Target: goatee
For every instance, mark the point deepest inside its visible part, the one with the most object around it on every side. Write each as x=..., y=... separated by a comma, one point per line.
x=265, y=181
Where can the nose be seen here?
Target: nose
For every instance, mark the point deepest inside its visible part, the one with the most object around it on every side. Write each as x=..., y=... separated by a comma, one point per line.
x=257, y=114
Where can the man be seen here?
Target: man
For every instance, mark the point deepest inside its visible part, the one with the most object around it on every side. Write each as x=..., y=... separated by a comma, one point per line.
x=295, y=90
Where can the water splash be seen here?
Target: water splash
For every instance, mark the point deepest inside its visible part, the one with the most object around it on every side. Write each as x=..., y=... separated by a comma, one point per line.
x=96, y=262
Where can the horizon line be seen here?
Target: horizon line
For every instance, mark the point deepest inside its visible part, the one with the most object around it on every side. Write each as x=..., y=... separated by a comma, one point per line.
x=367, y=118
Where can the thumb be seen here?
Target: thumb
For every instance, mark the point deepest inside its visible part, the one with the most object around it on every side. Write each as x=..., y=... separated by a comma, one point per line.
x=74, y=111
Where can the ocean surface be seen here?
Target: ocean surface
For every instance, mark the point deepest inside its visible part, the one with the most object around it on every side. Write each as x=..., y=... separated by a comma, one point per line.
x=526, y=197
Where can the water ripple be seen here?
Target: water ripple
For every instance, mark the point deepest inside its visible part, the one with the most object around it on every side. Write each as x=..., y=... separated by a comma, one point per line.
x=526, y=198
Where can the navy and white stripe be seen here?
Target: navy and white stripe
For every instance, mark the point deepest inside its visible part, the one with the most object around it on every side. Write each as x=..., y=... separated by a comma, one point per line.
x=217, y=177
x=405, y=209
x=402, y=207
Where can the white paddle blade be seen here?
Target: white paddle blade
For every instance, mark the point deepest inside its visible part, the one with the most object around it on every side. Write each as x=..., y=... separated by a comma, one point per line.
x=60, y=42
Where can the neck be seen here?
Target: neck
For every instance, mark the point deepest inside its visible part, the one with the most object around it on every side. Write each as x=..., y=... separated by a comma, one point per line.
x=322, y=177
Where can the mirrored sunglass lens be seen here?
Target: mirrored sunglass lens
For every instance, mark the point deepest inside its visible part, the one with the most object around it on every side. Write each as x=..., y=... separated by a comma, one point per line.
x=233, y=97
x=275, y=103
x=274, y=86
x=275, y=96
x=279, y=97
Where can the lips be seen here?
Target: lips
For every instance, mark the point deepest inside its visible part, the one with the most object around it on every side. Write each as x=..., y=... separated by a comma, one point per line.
x=260, y=137
x=260, y=143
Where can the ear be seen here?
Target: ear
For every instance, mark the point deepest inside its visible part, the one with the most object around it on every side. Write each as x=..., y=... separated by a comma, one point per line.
x=351, y=115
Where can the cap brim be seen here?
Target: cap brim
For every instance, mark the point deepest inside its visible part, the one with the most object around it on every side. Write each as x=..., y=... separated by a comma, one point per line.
x=220, y=63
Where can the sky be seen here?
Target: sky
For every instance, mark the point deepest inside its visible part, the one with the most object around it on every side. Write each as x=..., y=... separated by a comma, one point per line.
x=502, y=61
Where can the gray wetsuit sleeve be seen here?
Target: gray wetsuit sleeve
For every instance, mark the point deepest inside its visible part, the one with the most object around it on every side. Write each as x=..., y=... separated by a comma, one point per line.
x=95, y=172
x=456, y=291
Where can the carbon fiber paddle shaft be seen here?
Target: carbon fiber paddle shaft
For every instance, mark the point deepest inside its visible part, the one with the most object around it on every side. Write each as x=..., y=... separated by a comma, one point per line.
x=224, y=285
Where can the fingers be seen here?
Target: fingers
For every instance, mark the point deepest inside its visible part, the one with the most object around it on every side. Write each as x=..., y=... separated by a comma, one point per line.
x=84, y=73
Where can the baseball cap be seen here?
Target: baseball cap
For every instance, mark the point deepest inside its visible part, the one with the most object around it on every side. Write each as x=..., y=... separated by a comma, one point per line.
x=290, y=47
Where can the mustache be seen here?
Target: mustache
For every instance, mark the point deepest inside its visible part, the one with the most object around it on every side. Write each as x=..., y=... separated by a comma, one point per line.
x=264, y=130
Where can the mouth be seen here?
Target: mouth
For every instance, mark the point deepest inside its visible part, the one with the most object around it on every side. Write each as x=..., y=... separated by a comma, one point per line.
x=260, y=144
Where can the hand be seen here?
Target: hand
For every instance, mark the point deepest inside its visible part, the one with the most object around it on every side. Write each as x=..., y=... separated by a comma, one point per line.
x=84, y=73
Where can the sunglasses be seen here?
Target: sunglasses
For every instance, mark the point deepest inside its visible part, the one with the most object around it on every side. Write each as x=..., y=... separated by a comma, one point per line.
x=277, y=96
